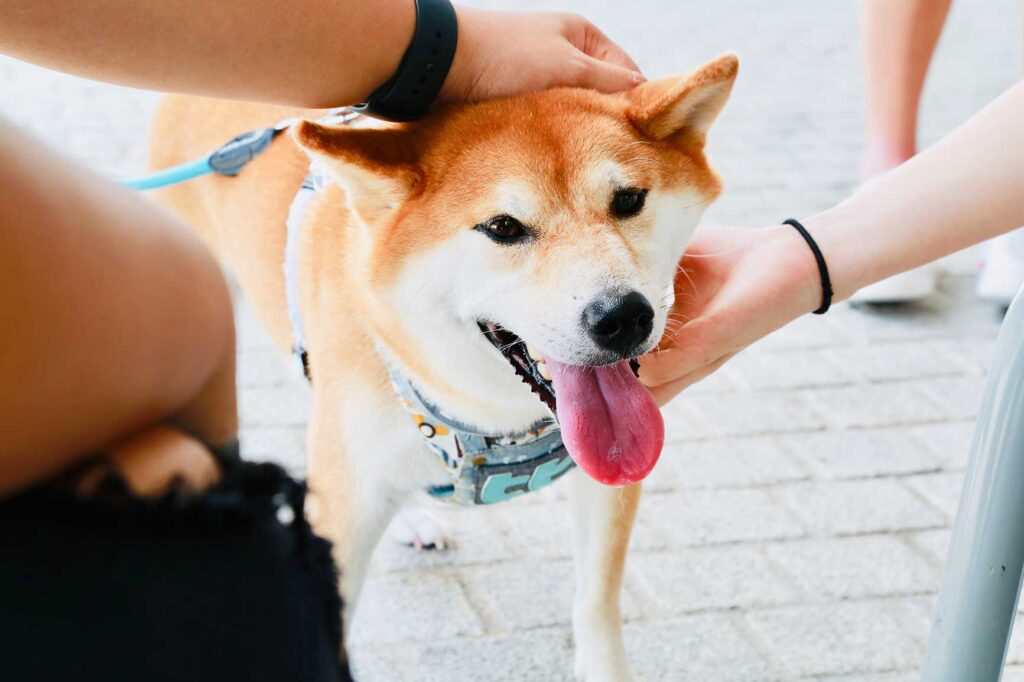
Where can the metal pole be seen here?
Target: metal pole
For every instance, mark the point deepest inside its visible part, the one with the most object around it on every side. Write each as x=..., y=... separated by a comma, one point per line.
x=982, y=577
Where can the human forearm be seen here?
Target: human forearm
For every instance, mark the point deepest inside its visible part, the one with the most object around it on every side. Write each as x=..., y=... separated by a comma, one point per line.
x=966, y=188
x=329, y=53
x=318, y=54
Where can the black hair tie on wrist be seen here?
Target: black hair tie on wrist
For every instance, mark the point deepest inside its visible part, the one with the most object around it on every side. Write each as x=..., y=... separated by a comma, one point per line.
x=408, y=94
x=826, y=282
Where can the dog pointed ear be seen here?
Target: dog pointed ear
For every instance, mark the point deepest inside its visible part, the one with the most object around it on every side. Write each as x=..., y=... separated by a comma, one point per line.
x=375, y=166
x=684, y=106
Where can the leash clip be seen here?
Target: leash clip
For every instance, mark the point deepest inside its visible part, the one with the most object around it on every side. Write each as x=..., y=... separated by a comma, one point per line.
x=231, y=157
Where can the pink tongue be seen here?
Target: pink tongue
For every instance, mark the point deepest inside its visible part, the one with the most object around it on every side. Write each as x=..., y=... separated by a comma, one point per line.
x=610, y=423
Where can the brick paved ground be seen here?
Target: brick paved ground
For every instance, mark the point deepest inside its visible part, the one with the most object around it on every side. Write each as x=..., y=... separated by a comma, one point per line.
x=797, y=523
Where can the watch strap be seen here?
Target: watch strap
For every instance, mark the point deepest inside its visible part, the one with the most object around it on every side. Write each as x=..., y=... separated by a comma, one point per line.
x=408, y=94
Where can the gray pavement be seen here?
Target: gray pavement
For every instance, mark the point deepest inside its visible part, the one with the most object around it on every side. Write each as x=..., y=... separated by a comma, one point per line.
x=796, y=525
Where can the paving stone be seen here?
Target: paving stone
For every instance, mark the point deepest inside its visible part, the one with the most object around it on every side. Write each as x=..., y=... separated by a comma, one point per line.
x=804, y=333
x=916, y=321
x=380, y=665
x=843, y=637
x=545, y=530
x=912, y=676
x=1015, y=651
x=760, y=370
x=862, y=453
x=942, y=490
x=700, y=517
x=878, y=405
x=857, y=507
x=541, y=655
x=934, y=543
x=960, y=398
x=683, y=422
x=730, y=463
x=701, y=647
x=278, y=406
x=540, y=530
x=978, y=350
x=712, y=578
x=262, y=367
x=951, y=441
x=663, y=477
x=856, y=567
x=521, y=595
x=742, y=414
x=912, y=360
x=282, y=444
x=386, y=604
x=251, y=334
x=725, y=380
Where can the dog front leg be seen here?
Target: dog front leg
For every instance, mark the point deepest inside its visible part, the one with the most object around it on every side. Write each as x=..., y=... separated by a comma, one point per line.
x=602, y=521
x=353, y=506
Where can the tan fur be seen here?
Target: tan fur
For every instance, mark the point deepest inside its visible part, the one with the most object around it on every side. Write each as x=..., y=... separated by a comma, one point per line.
x=410, y=189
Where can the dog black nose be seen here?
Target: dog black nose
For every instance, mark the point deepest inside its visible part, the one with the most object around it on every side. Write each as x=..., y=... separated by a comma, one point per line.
x=618, y=322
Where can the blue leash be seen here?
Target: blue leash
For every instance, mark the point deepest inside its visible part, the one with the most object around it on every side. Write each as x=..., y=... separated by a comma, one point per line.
x=230, y=158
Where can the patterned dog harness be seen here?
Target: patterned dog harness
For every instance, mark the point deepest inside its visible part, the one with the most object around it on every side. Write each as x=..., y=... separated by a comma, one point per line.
x=484, y=468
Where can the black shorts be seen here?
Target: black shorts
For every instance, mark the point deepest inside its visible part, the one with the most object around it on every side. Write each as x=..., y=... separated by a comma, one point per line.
x=228, y=585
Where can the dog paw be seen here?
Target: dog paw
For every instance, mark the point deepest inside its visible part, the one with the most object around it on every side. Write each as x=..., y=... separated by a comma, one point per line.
x=621, y=677
x=605, y=676
x=604, y=660
x=417, y=528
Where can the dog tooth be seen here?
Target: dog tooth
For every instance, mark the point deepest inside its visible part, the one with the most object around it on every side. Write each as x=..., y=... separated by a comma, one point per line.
x=533, y=353
x=542, y=369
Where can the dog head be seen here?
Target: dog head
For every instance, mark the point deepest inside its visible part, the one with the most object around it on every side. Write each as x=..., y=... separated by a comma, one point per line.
x=556, y=218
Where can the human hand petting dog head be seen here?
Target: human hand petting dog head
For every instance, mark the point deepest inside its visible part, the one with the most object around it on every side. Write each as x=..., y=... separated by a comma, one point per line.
x=734, y=286
x=510, y=53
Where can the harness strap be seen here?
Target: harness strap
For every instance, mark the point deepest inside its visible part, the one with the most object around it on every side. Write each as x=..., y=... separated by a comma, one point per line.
x=296, y=213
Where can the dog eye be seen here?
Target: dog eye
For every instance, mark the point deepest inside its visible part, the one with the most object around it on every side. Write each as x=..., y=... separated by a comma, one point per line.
x=626, y=203
x=503, y=229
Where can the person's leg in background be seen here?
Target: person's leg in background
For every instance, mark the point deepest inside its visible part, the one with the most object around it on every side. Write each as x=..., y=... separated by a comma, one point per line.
x=1003, y=269
x=898, y=39
x=114, y=323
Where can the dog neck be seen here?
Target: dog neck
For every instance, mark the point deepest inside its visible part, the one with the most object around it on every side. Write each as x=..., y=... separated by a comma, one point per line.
x=451, y=363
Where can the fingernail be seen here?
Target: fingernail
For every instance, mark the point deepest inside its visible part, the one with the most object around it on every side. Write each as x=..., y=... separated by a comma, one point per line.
x=638, y=78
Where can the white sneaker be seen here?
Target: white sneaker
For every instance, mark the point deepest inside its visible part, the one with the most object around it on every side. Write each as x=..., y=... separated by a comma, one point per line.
x=1003, y=269
x=912, y=285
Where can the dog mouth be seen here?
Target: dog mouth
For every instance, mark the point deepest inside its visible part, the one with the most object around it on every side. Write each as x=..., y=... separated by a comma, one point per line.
x=610, y=424
x=531, y=367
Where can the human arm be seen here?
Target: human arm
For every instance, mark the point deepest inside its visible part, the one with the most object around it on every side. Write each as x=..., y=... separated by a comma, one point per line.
x=321, y=53
x=739, y=285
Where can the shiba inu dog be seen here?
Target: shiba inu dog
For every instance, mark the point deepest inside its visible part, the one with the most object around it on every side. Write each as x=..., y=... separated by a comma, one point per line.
x=493, y=263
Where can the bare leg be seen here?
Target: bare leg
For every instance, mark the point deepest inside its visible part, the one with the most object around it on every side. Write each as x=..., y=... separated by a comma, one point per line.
x=602, y=522
x=899, y=37
x=113, y=319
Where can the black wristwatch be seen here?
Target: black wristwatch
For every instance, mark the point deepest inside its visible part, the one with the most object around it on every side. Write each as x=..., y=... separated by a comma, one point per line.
x=409, y=93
